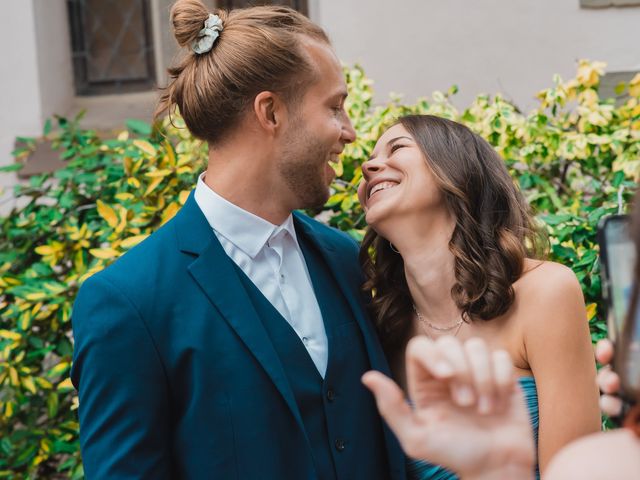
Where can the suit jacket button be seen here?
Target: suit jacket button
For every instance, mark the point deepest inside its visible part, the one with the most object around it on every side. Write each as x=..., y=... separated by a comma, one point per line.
x=340, y=445
x=331, y=395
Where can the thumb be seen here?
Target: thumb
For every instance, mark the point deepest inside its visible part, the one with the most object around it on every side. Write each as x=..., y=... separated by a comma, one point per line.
x=391, y=403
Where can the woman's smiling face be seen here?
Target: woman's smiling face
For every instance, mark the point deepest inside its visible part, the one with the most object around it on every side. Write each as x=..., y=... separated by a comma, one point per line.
x=397, y=182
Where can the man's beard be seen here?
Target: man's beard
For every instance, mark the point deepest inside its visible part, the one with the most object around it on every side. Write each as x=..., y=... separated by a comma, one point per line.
x=303, y=166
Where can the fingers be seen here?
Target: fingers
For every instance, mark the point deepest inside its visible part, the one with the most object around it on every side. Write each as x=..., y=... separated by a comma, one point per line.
x=610, y=405
x=604, y=351
x=461, y=382
x=608, y=381
x=481, y=371
x=391, y=403
x=504, y=378
x=424, y=364
x=473, y=375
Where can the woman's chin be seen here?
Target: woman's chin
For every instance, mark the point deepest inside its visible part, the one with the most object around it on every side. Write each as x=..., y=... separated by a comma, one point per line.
x=381, y=221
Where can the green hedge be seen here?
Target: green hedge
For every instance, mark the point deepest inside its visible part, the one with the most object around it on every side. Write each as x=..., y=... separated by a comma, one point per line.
x=576, y=157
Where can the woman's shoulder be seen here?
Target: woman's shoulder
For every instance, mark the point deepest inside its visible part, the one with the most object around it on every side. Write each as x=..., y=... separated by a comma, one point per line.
x=536, y=270
x=544, y=281
x=613, y=454
x=547, y=291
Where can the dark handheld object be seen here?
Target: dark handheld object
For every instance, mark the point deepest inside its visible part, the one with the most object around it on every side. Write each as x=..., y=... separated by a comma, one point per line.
x=620, y=291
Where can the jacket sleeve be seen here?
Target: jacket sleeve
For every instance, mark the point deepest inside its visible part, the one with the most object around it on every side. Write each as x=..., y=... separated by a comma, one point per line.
x=122, y=387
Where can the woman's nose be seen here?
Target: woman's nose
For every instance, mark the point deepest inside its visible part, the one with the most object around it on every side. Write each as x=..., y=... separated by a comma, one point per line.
x=369, y=168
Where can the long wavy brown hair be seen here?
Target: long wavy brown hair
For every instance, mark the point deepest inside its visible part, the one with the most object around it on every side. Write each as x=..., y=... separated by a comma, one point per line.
x=494, y=232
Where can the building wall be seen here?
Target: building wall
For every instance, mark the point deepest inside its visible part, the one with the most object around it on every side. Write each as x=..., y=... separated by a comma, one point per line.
x=36, y=75
x=414, y=47
x=21, y=106
x=55, y=71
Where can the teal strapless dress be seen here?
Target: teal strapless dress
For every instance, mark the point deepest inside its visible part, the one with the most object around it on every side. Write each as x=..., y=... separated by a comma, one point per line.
x=418, y=470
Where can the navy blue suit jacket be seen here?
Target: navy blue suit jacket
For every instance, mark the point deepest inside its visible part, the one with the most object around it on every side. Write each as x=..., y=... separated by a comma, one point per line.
x=166, y=336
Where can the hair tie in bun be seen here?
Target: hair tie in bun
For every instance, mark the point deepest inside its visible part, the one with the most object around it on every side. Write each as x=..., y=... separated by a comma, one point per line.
x=208, y=35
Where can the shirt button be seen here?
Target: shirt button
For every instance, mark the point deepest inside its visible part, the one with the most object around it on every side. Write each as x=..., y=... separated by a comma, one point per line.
x=305, y=340
x=340, y=445
x=331, y=395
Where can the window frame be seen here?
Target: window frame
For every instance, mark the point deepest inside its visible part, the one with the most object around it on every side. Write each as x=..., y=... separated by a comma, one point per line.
x=301, y=6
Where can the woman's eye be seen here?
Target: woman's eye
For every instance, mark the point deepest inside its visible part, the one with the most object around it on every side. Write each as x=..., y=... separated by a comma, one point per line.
x=396, y=147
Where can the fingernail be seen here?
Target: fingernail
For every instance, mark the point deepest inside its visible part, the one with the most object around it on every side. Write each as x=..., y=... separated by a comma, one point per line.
x=443, y=369
x=464, y=395
x=485, y=404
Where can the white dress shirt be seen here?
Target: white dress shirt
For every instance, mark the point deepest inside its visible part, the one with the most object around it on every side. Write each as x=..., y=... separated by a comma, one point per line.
x=271, y=257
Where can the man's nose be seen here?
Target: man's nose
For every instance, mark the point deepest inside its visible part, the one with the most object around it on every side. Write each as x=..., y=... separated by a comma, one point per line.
x=348, y=132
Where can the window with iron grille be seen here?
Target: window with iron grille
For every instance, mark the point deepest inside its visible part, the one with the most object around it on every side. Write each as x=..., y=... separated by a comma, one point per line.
x=608, y=3
x=111, y=44
x=299, y=5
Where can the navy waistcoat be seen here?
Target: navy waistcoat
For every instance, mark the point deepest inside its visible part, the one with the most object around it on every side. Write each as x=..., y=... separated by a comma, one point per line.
x=337, y=411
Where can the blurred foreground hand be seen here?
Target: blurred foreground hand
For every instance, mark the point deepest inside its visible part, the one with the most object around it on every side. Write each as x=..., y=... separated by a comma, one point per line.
x=468, y=411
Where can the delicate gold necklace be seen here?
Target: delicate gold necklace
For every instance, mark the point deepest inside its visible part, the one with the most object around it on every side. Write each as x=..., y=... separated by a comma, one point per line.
x=427, y=323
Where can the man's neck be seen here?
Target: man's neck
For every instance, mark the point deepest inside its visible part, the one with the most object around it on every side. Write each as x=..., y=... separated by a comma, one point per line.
x=239, y=176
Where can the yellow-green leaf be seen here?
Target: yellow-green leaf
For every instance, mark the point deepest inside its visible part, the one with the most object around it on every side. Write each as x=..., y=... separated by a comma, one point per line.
x=104, y=253
x=170, y=154
x=169, y=212
x=146, y=147
x=27, y=382
x=108, y=213
x=65, y=385
x=43, y=383
x=159, y=173
x=124, y=196
x=45, y=445
x=59, y=369
x=35, y=296
x=152, y=186
x=133, y=182
x=13, y=377
x=591, y=310
x=132, y=241
x=8, y=409
x=182, y=198
x=8, y=334
x=25, y=321
x=634, y=86
x=47, y=250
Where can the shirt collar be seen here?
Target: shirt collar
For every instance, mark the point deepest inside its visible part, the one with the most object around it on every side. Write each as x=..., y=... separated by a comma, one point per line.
x=245, y=230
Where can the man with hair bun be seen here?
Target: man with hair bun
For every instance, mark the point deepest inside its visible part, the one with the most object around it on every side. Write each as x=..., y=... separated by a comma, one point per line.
x=230, y=343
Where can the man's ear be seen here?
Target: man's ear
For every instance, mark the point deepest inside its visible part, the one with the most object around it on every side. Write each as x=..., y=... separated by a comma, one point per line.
x=270, y=111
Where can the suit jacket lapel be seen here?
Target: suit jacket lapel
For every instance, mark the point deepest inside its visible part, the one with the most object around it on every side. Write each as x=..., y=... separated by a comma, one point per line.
x=349, y=282
x=213, y=270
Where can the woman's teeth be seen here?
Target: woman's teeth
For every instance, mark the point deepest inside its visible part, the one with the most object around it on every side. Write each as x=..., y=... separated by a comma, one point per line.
x=382, y=186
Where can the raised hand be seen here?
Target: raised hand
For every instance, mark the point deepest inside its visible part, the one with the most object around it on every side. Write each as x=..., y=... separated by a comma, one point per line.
x=608, y=380
x=468, y=412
